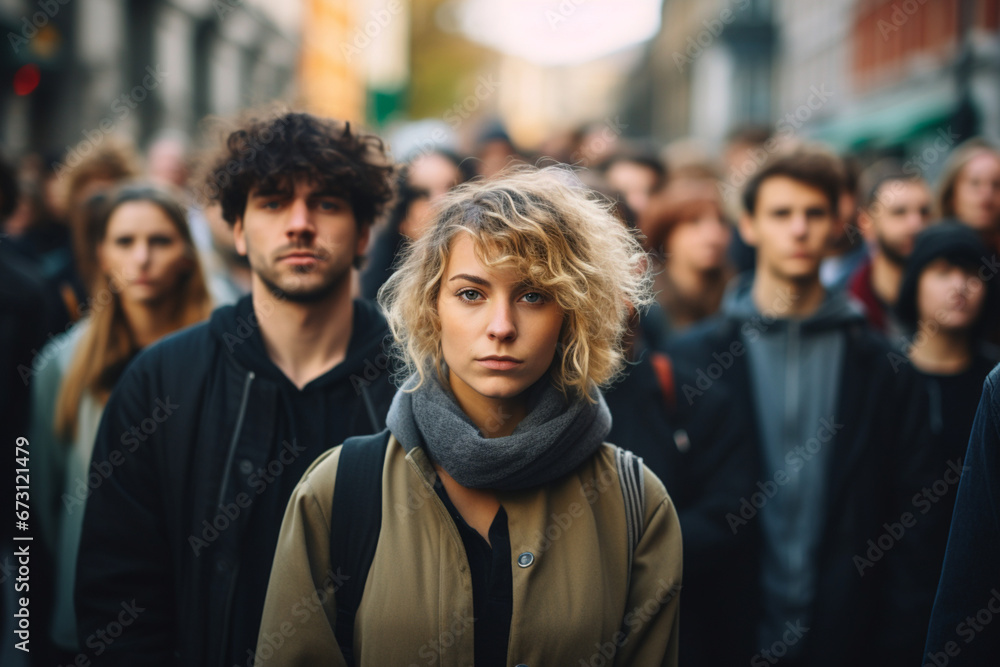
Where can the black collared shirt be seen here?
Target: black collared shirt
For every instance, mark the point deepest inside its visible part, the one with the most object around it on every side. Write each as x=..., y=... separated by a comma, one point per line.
x=492, y=586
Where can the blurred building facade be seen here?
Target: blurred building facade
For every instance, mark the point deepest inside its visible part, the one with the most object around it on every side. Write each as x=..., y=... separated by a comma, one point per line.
x=924, y=76
x=83, y=69
x=711, y=67
x=880, y=76
x=77, y=70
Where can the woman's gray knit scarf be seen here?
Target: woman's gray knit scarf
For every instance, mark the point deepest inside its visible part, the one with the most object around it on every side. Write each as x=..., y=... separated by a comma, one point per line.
x=551, y=441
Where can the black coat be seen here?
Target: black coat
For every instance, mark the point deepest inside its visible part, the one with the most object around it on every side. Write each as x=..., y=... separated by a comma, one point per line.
x=870, y=605
x=702, y=453
x=964, y=629
x=192, y=439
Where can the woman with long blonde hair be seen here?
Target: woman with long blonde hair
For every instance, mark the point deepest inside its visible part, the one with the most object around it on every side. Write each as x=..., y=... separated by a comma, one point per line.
x=149, y=284
x=507, y=530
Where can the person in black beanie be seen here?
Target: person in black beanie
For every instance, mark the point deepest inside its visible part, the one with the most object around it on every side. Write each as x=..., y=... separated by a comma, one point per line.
x=948, y=300
x=950, y=243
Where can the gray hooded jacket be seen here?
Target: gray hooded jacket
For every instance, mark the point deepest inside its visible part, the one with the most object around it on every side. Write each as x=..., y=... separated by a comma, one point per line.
x=795, y=370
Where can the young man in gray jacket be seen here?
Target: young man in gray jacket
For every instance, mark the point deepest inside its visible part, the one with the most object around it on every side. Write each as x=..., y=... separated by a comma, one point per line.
x=839, y=436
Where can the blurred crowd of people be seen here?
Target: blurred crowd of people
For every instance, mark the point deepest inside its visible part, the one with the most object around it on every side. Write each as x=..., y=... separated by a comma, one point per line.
x=803, y=298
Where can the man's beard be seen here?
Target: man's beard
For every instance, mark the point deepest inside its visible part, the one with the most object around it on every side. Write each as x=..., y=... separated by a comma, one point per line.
x=314, y=295
x=891, y=252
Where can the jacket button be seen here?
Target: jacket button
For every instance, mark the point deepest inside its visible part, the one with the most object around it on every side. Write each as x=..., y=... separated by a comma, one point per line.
x=526, y=559
x=246, y=466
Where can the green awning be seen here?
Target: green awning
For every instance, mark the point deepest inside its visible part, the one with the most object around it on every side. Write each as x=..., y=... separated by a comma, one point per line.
x=885, y=127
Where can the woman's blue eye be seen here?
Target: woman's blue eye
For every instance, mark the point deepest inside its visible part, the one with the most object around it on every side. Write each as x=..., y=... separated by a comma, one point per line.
x=465, y=294
x=538, y=298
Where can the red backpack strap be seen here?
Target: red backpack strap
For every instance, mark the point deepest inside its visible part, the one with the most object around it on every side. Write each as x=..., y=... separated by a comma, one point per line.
x=664, y=370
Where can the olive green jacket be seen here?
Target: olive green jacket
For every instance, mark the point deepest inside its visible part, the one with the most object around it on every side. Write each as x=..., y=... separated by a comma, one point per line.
x=571, y=604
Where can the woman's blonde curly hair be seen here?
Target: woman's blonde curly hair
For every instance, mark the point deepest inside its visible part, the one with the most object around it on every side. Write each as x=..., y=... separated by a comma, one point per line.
x=562, y=237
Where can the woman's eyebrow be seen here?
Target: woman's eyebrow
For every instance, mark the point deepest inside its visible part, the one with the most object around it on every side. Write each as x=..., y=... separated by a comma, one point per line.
x=472, y=279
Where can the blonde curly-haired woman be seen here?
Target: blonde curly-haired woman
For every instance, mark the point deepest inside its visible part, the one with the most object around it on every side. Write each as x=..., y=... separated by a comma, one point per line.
x=510, y=532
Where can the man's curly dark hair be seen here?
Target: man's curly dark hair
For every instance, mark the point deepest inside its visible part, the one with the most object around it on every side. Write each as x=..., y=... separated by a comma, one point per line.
x=274, y=151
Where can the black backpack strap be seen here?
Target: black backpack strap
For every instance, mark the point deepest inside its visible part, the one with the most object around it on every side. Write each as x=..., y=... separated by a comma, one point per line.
x=355, y=523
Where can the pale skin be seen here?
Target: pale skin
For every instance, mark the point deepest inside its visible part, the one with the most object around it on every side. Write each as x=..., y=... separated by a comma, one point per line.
x=790, y=229
x=949, y=301
x=491, y=312
x=977, y=193
x=902, y=209
x=635, y=181
x=696, y=253
x=436, y=175
x=145, y=257
x=301, y=241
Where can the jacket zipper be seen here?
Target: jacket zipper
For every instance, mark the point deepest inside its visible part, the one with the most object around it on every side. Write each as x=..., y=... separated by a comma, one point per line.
x=793, y=362
x=236, y=436
x=230, y=596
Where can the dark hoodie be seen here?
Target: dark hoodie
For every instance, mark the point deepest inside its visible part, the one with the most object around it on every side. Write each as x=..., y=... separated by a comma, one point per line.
x=310, y=421
x=187, y=521
x=795, y=374
x=831, y=483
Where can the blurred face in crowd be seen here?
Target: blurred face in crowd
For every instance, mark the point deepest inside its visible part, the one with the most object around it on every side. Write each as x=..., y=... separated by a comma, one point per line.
x=977, y=193
x=635, y=181
x=434, y=173
x=950, y=295
x=790, y=228
x=168, y=163
x=738, y=156
x=143, y=253
x=418, y=217
x=493, y=313
x=301, y=240
x=494, y=156
x=900, y=211
x=700, y=241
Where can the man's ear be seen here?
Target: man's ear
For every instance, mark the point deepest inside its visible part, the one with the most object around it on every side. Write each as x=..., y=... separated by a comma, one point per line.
x=239, y=240
x=747, y=229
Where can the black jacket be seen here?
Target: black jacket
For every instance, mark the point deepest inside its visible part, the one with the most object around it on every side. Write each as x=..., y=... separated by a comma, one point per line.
x=27, y=314
x=199, y=448
x=964, y=631
x=702, y=453
x=870, y=604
